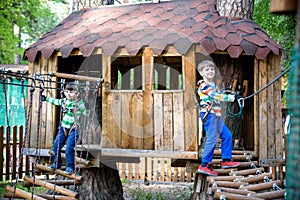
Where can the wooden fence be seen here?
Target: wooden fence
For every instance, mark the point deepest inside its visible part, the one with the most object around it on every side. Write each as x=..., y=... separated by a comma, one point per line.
x=153, y=169
x=10, y=150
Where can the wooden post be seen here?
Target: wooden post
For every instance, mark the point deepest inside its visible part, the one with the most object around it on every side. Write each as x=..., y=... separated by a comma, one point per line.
x=200, y=187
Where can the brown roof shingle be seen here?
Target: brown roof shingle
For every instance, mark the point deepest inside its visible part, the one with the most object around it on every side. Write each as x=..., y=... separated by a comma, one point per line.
x=178, y=23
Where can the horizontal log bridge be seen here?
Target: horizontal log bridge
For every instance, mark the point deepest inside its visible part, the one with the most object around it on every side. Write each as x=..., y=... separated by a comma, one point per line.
x=247, y=172
x=269, y=195
x=52, y=187
x=232, y=190
x=261, y=186
x=223, y=178
x=76, y=77
x=255, y=178
x=60, y=172
x=219, y=195
x=78, y=160
x=22, y=193
x=43, y=196
x=56, y=182
x=228, y=184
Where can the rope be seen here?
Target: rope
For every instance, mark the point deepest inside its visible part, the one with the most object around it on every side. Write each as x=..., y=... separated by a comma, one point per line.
x=273, y=81
x=22, y=146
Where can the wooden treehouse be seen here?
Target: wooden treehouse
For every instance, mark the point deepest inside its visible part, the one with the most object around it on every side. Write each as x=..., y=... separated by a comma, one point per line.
x=146, y=56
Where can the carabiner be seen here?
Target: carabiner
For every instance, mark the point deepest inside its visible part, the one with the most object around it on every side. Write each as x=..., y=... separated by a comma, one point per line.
x=241, y=102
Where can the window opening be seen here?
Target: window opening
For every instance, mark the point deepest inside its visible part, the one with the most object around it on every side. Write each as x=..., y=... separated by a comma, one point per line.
x=168, y=73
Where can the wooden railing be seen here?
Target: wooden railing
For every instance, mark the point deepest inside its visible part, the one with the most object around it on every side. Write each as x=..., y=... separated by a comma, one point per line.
x=11, y=139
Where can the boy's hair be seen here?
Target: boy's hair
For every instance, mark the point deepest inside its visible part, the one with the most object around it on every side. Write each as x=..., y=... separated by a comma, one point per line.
x=205, y=63
x=71, y=86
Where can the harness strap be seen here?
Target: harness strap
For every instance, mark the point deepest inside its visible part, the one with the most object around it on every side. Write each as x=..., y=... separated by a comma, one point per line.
x=65, y=132
x=207, y=111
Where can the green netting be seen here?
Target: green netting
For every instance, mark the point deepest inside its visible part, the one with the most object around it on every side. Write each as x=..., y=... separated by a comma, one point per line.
x=293, y=142
x=13, y=106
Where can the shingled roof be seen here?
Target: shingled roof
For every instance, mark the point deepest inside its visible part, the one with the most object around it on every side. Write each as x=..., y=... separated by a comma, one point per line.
x=178, y=23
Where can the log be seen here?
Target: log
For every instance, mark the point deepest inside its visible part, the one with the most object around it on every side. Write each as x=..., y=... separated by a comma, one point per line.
x=246, y=172
x=254, y=178
x=246, y=88
x=23, y=194
x=270, y=195
x=248, y=164
x=228, y=184
x=223, y=178
x=218, y=195
x=260, y=186
x=56, y=182
x=218, y=152
x=232, y=190
x=53, y=187
x=225, y=171
x=78, y=160
x=76, y=77
x=60, y=172
x=45, y=196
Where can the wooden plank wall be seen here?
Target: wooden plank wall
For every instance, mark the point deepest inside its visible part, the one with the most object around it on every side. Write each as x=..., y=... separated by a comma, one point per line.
x=268, y=117
x=48, y=118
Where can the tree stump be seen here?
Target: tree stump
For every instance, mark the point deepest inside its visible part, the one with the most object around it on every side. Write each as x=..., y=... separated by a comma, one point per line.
x=101, y=183
x=201, y=188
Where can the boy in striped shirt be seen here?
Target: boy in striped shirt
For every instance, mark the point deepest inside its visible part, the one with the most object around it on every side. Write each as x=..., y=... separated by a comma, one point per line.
x=210, y=114
x=68, y=130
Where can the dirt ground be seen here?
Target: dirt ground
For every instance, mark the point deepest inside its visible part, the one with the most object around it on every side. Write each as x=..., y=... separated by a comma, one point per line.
x=138, y=190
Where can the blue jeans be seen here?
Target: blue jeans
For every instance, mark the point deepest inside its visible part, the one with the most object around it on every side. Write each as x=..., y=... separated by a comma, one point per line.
x=59, y=142
x=213, y=127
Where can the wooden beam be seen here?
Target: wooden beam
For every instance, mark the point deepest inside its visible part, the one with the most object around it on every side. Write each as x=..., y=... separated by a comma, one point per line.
x=76, y=77
x=283, y=6
x=114, y=152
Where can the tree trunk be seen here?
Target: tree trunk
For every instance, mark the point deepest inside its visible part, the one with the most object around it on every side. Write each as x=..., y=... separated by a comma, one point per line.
x=235, y=8
x=101, y=183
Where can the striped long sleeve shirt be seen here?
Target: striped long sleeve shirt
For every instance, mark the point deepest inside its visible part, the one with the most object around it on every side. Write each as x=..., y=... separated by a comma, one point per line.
x=210, y=93
x=68, y=110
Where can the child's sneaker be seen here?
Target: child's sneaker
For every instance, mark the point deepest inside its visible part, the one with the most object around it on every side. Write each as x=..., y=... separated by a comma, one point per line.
x=68, y=170
x=207, y=170
x=229, y=164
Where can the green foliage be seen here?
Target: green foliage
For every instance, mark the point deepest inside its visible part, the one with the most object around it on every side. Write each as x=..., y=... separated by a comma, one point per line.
x=33, y=17
x=281, y=28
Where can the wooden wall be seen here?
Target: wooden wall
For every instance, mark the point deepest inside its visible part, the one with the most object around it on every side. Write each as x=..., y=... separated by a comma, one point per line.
x=267, y=109
x=151, y=119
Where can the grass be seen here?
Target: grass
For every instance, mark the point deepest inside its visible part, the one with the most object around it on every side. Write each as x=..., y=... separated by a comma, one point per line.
x=3, y=184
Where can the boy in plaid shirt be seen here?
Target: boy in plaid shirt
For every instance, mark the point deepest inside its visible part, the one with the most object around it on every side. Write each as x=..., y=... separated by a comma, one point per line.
x=210, y=113
x=68, y=130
